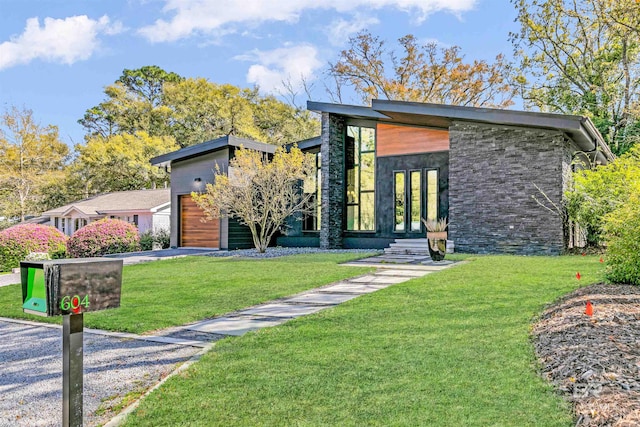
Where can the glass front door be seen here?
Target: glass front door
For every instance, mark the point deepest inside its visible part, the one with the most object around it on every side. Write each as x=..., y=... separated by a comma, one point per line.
x=415, y=197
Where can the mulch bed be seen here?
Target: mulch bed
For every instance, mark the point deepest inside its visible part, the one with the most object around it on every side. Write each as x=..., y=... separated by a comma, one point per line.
x=594, y=361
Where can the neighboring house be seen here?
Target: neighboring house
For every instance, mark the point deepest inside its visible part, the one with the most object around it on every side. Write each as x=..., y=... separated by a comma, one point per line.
x=191, y=168
x=386, y=166
x=147, y=209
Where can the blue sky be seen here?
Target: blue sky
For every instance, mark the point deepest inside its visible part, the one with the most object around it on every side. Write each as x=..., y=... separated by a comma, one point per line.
x=56, y=56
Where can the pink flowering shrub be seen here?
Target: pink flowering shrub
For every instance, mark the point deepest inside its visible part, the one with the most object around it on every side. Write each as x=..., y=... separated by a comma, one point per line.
x=20, y=240
x=107, y=236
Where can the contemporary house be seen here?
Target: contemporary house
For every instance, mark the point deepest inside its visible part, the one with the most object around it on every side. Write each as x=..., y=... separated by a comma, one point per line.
x=191, y=168
x=147, y=209
x=489, y=171
x=498, y=176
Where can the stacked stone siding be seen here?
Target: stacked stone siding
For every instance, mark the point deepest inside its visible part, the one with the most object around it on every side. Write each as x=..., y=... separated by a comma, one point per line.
x=333, y=175
x=493, y=174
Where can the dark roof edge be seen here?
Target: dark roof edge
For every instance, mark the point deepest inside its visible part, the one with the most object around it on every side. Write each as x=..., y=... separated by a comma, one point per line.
x=604, y=153
x=480, y=114
x=343, y=109
x=581, y=128
x=210, y=146
x=306, y=144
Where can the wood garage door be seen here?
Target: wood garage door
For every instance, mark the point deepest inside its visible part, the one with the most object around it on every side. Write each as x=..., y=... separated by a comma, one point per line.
x=193, y=232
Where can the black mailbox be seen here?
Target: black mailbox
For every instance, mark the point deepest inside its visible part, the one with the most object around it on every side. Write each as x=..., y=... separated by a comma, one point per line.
x=70, y=286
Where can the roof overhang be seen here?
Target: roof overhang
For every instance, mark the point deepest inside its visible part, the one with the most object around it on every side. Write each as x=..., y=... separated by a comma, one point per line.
x=354, y=111
x=81, y=213
x=307, y=144
x=160, y=207
x=579, y=129
x=210, y=147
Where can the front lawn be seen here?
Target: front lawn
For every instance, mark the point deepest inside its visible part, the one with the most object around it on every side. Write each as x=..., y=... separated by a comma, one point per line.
x=168, y=293
x=449, y=349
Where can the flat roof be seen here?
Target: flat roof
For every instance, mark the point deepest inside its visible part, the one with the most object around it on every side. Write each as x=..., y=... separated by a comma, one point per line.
x=580, y=129
x=307, y=144
x=211, y=146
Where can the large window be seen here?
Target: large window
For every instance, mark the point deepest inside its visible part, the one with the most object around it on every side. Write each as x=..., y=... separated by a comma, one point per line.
x=313, y=186
x=414, y=198
x=360, y=165
x=432, y=195
x=399, y=201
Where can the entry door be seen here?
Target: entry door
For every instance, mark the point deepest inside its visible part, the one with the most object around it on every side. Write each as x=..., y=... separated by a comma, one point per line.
x=415, y=197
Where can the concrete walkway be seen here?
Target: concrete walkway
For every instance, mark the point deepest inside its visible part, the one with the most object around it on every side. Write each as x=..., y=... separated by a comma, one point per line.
x=9, y=279
x=390, y=270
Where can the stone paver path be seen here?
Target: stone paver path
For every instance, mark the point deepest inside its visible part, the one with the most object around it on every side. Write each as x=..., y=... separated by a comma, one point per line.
x=391, y=270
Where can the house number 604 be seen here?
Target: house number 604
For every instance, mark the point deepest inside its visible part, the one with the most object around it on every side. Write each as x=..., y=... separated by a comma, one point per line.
x=74, y=302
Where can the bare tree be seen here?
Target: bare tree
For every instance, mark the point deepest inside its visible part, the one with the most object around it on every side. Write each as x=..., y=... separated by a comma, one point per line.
x=259, y=192
x=420, y=73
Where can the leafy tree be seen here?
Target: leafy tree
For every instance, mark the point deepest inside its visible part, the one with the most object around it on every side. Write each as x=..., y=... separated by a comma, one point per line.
x=280, y=123
x=202, y=110
x=31, y=158
x=135, y=102
x=260, y=192
x=421, y=73
x=120, y=162
x=622, y=228
x=583, y=57
x=599, y=192
x=192, y=110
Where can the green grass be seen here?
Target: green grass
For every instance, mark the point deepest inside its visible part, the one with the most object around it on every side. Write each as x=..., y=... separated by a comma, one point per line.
x=449, y=349
x=168, y=293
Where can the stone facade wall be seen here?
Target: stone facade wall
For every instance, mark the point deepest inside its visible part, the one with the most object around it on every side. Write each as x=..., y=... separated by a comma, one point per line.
x=493, y=174
x=333, y=180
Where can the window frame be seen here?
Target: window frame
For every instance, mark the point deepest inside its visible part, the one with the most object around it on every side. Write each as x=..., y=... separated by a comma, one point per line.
x=358, y=179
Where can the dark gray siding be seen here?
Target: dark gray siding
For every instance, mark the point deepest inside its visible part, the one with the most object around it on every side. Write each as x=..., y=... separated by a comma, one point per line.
x=239, y=236
x=493, y=173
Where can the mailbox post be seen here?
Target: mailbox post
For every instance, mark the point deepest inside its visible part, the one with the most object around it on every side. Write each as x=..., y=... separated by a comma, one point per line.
x=70, y=288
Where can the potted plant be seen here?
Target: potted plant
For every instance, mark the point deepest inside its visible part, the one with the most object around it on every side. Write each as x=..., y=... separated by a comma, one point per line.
x=437, y=237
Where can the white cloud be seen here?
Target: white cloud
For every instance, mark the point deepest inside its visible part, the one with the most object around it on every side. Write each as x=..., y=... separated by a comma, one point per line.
x=59, y=40
x=437, y=42
x=340, y=30
x=290, y=64
x=205, y=16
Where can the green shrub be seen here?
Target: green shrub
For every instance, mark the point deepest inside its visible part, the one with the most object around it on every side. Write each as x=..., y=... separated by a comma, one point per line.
x=622, y=228
x=107, y=236
x=150, y=240
x=20, y=240
x=146, y=241
x=60, y=254
x=598, y=192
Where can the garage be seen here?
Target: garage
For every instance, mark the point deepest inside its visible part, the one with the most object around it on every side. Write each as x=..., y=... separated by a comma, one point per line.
x=194, y=232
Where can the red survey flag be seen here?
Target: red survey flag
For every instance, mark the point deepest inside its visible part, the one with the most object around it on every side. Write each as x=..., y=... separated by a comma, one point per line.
x=589, y=310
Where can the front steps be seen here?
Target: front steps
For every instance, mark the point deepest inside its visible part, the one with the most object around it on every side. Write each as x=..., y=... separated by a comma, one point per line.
x=413, y=247
x=408, y=247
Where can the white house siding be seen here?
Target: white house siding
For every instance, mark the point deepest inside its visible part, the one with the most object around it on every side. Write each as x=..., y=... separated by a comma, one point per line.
x=162, y=220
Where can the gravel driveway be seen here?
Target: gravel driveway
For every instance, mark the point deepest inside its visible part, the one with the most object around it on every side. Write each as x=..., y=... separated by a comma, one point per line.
x=31, y=373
